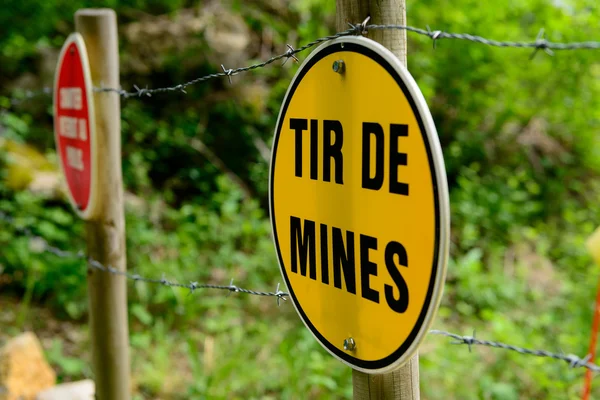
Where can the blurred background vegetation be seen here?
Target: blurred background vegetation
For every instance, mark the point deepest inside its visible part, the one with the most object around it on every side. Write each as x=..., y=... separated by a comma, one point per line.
x=520, y=141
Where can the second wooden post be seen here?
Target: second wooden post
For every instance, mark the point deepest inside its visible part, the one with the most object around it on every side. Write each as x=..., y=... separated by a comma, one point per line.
x=404, y=382
x=107, y=293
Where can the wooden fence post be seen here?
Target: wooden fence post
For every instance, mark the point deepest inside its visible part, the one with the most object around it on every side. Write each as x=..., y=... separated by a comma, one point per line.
x=107, y=293
x=404, y=382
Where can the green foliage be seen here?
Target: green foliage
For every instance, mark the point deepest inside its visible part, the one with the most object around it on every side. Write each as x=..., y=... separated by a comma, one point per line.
x=60, y=282
x=523, y=162
x=67, y=366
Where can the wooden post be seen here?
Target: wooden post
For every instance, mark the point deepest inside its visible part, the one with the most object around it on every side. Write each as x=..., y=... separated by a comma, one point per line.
x=404, y=382
x=382, y=12
x=107, y=293
x=401, y=384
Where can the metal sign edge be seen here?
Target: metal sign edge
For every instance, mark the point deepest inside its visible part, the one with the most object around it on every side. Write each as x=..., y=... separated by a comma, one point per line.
x=92, y=207
x=442, y=194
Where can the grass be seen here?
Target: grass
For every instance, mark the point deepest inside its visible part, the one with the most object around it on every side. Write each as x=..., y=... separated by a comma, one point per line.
x=209, y=345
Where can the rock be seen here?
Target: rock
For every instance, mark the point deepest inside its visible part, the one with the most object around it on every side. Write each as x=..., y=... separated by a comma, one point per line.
x=23, y=370
x=82, y=390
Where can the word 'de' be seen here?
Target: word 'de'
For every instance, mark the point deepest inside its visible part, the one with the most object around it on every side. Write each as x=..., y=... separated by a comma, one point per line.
x=358, y=203
x=332, y=143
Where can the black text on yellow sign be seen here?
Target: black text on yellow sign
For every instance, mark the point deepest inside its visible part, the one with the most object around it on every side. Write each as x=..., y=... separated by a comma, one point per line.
x=333, y=140
x=344, y=258
x=359, y=205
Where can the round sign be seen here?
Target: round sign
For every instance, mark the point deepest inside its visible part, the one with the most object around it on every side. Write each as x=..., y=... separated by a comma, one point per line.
x=359, y=204
x=74, y=125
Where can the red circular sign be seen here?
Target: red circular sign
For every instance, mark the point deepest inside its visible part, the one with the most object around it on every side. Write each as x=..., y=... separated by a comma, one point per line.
x=74, y=125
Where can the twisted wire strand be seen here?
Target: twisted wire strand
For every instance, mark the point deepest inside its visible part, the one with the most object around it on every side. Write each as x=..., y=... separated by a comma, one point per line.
x=573, y=360
x=39, y=244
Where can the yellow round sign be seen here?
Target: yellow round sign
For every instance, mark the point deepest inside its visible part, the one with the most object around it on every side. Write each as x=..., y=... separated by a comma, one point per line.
x=359, y=204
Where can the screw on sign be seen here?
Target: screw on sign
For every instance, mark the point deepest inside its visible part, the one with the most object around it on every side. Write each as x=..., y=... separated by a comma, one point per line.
x=359, y=204
x=74, y=125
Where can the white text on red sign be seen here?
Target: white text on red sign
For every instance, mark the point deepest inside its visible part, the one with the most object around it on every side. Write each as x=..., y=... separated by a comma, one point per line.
x=71, y=98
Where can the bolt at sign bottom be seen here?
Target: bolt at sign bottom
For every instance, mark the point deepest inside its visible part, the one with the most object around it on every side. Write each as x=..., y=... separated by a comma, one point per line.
x=349, y=344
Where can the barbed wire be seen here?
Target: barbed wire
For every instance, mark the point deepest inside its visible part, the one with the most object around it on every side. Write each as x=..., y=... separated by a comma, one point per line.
x=41, y=245
x=573, y=360
x=540, y=43
x=38, y=244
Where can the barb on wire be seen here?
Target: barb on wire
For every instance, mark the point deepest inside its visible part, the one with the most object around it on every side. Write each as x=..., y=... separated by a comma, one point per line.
x=573, y=360
x=227, y=72
x=290, y=54
x=41, y=245
x=360, y=29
